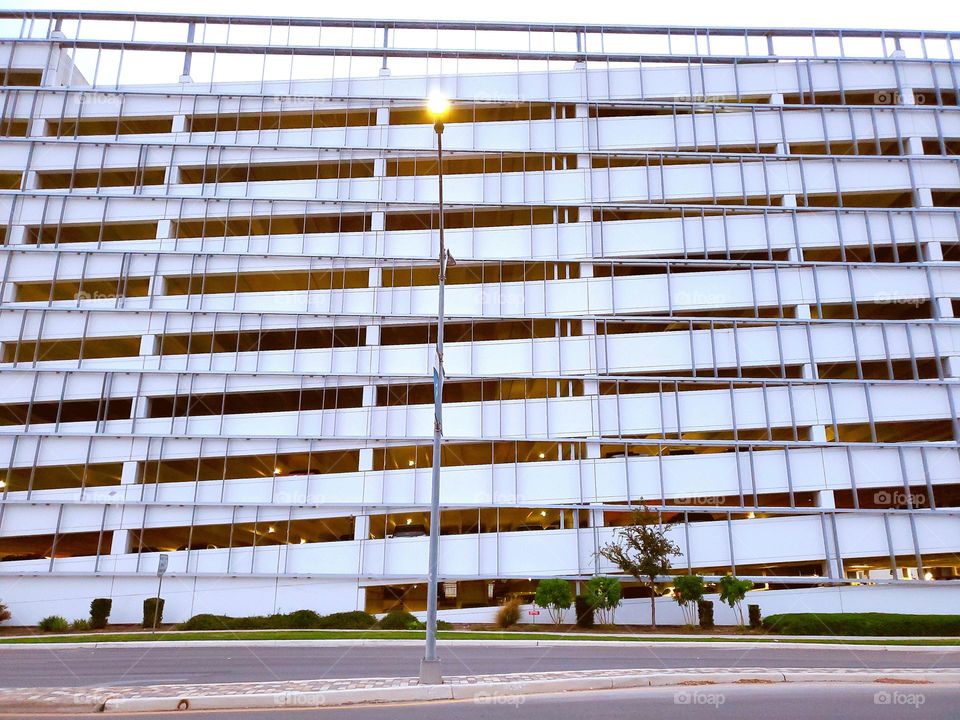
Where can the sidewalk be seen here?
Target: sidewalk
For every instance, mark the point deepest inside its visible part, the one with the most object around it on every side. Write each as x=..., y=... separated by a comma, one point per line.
x=746, y=643
x=183, y=638
x=499, y=689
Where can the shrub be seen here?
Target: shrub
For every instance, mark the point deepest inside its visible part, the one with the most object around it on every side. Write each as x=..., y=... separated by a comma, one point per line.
x=584, y=611
x=54, y=623
x=508, y=614
x=207, y=621
x=554, y=595
x=302, y=619
x=893, y=624
x=753, y=611
x=99, y=612
x=355, y=620
x=689, y=592
x=4, y=613
x=80, y=625
x=153, y=612
x=296, y=620
x=603, y=594
x=705, y=611
x=399, y=619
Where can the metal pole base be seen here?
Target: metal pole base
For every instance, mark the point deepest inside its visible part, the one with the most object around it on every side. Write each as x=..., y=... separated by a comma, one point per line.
x=430, y=672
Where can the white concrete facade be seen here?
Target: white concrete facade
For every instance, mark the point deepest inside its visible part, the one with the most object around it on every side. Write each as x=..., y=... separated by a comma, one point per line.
x=722, y=286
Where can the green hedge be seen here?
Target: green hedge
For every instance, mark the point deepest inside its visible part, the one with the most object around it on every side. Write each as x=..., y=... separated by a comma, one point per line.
x=399, y=620
x=308, y=620
x=867, y=624
x=355, y=620
x=297, y=620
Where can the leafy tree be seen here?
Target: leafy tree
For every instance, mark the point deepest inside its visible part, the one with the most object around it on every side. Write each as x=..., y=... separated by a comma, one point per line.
x=555, y=595
x=644, y=551
x=688, y=591
x=732, y=591
x=4, y=613
x=603, y=595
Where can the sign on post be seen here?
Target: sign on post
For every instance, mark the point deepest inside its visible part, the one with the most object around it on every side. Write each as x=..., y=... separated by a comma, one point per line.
x=162, y=564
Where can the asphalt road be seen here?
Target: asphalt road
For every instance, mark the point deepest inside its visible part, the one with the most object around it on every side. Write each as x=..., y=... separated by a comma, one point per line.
x=716, y=702
x=60, y=667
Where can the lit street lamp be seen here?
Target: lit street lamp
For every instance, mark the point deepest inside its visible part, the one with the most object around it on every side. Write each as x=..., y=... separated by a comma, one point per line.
x=430, y=673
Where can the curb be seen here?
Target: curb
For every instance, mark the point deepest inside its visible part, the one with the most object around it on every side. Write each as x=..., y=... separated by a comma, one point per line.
x=746, y=644
x=490, y=691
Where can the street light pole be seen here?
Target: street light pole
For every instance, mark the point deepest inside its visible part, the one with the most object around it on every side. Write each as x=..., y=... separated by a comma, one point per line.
x=430, y=671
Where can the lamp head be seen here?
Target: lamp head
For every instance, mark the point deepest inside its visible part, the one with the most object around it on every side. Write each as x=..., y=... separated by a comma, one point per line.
x=438, y=105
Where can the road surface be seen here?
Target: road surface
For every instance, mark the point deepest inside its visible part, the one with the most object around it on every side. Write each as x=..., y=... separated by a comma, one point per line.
x=715, y=702
x=51, y=666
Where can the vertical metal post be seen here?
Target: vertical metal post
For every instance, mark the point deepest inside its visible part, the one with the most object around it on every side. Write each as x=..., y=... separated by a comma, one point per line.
x=188, y=55
x=430, y=672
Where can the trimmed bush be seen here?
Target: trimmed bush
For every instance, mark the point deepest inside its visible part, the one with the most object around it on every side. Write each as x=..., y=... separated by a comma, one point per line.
x=99, y=612
x=54, y=624
x=508, y=614
x=584, y=610
x=4, y=613
x=207, y=621
x=303, y=619
x=153, y=612
x=398, y=619
x=355, y=620
x=705, y=610
x=80, y=625
x=753, y=611
x=893, y=624
x=297, y=620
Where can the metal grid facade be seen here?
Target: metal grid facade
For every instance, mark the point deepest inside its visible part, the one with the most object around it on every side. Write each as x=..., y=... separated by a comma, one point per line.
x=712, y=271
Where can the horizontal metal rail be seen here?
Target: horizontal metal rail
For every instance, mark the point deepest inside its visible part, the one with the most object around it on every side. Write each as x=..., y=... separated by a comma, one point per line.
x=331, y=22
x=391, y=508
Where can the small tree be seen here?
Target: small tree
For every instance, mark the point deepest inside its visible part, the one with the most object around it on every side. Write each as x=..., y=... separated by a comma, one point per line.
x=4, y=613
x=644, y=551
x=688, y=593
x=603, y=594
x=555, y=595
x=732, y=591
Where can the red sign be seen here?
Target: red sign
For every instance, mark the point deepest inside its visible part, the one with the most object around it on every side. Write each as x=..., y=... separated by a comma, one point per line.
x=533, y=612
